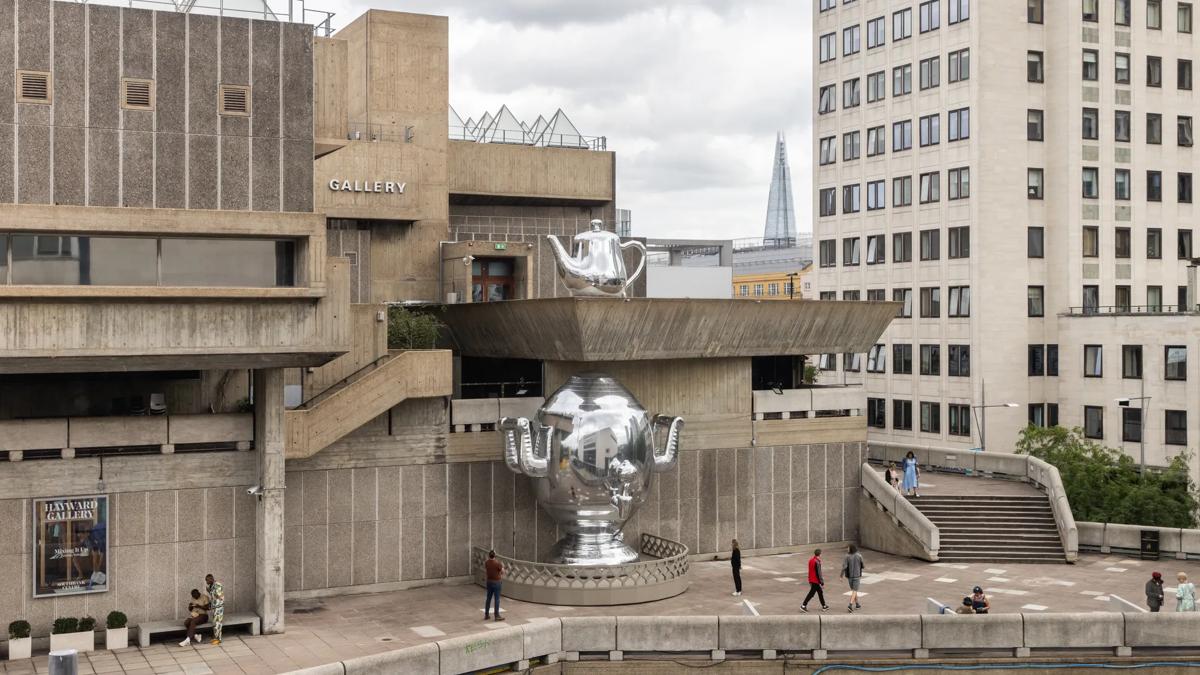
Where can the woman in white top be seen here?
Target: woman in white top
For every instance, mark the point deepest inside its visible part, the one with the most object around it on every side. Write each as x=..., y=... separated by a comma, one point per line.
x=1185, y=595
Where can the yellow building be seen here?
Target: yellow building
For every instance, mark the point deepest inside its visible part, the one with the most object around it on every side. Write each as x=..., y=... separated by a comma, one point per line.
x=782, y=285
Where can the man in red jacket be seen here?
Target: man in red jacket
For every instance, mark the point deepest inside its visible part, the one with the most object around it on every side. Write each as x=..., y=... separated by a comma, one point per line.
x=815, y=582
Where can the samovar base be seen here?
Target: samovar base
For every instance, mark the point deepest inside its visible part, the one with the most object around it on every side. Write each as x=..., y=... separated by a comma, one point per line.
x=592, y=549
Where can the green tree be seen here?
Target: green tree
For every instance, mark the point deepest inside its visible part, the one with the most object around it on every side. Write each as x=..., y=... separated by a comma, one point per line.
x=409, y=329
x=1105, y=485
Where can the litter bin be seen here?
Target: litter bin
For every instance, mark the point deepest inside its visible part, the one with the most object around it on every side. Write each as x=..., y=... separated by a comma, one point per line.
x=64, y=662
x=1149, y=544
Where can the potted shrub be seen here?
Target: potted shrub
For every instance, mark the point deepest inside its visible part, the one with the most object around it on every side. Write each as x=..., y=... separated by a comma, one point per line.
x=20, y=645
x=72, y=633
x=116, y=634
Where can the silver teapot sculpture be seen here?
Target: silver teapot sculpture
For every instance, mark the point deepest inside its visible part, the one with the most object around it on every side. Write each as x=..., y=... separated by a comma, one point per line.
x=591, y=453
x=597, y=268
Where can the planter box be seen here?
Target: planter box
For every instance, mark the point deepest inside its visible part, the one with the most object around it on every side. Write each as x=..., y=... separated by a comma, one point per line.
x=80, y=642
x=116, y=638
x=20, y=648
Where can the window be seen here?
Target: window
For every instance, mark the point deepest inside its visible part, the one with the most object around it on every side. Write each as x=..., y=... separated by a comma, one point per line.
x=1093, y=421
x=930, y=245
x=1183, y=20
x=1091, y=124
x=1122, y=184
x=1091, y=182
x=931, y=363
x=931, y=303
x=902, y=415
x=902, y=80
x=1037, y=301
x=876, y=86
x=850, y=251
x=931, y=417
x=876, y=33
x=1093, y=361
x=850, y=146
x=828, y=295
x=1037, y=414
x=959, y=239
x=827, y=5
x=876, y=199
x=758, y=290
x=1131, y=362
x=773, y=289
x=1153, y=128
x=1034, y=70
x=851, y=198
x=1091, y=65
x=1124, y=243
x=1121, y=125
x=901, y=24
x=902, y=191
x=852, y=363
x=1131, y=425
x=1052, y=360
x=1035, y=122
x=902, y=359
x=1154, y=14
x=875, y=252
x=1051, y=414
x=1154, y=186
x=1183, y=74
x=931, y=70
x=902, y=247
x=1176, y=433
x=876, y=294
x=930, y=187
x=744, y=291
x=1034, y=183
x=1035, y=12
x=930, y=129
x=1154, y=298
x=1037, y=360
x=930, y=15
x=960, y=360
x=959, y=122
x=960, y=182
x=828, y=150
x=1184, y=187
x=1121, y=68
x=851, y=40
x=877, y=359
x=828, y=197
x=1035, y=242
x=903, y=296
x=876, y=141
x=827, y=102
x=960, y=301
x=828, y=248
x=877, y=413
x=233, y=100
x=827, y=362
x=1091, y=10
x=960, y=10
x=1091, y=241
x=850, y=93
x=1175, y=357
x=828, y=47
x=1183, y=130
x=1122, y=14
x=1184, y=244
x=959, y=419
x=1091, y=299
x=901, y=135
x=960, y=66
x=1153, y=71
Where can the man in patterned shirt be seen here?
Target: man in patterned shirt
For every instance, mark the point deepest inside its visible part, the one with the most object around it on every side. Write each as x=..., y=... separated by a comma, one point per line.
x=216, y=607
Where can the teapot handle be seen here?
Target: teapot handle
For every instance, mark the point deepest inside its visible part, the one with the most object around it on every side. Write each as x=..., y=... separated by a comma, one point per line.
x=641, y=264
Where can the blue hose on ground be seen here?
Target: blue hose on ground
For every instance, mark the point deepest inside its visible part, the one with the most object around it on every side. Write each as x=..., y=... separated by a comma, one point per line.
x=1007, y=666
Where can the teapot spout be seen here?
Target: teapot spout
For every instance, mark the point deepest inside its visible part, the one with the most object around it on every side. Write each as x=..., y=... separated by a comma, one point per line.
x=521, y=451
x=666, y=457
x=568, y=268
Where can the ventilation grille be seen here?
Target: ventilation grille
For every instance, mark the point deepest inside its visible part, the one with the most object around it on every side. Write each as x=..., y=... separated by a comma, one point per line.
x=137, y=94
x=235, y=100
x=33, y=87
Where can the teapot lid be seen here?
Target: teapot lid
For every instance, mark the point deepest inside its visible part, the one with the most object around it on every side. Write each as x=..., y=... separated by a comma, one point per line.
x=596, y=233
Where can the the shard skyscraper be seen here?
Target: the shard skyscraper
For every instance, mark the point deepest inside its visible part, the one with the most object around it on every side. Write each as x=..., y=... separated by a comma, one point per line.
x=780, y=230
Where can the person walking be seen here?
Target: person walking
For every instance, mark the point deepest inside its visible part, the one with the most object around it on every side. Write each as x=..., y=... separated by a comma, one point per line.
x=912, y=474
x=494, y=570
x=1185, y=594
x=816, y=582
x=216, y=606
x=735, y=562
x=1154, y=592
x=852, y=570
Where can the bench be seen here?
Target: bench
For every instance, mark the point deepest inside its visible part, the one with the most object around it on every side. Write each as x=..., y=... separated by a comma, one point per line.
x=150, y=628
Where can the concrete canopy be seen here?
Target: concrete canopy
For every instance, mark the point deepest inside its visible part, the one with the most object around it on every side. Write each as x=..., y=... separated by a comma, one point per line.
x=634, y=329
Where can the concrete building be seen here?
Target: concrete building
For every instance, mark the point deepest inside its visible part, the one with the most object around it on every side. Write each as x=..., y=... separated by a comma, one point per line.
x=788, y=284
x=1078, y=235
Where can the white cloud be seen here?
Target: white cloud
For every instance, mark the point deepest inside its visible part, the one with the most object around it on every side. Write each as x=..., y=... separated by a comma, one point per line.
x=689, y=94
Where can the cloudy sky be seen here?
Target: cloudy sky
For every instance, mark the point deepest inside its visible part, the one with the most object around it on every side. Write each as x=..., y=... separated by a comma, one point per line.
x=690, y=93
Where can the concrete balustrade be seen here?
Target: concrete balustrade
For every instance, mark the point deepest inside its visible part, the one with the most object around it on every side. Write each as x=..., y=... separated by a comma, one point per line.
x=165, y=431
x=806, y=401
x=924, y=535
x=1077, y=630
x=596, y=634
x=419, y=659
x=468, y=414
x=1107, y=537
x=483, y=650
x=870, y=633
x=973, y=631
x=769, y=634
x=667, y=633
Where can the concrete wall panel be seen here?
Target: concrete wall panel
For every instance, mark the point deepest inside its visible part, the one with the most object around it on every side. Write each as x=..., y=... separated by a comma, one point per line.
x=70, y=67
x=170, y=64
x=235, y=173
x=203, y=168
x=265, y=78
x=137, y=168
x=202, y=74
x=70, y=178
x=33, y=164
x=104, y=73
x=33, y=36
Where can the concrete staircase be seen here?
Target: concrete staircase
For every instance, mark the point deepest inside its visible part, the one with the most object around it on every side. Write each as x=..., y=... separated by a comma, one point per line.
x=1000, y=529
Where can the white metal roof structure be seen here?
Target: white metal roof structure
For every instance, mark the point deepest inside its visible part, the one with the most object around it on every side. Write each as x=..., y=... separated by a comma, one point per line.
x=505, y=127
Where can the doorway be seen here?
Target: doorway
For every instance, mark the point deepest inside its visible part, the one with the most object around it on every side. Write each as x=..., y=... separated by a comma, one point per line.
x=492, y=279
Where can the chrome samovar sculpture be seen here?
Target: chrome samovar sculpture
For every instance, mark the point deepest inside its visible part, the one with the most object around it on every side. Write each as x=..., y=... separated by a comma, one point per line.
x=591, y=453
x=598, y=267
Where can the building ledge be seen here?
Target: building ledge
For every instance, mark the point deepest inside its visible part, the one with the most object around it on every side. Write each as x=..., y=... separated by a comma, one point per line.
x=159, y=292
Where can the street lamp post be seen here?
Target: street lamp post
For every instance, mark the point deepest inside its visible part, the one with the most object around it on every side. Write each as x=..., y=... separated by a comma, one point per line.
x=792, y=285
x=1144, y=401
x=984, y=406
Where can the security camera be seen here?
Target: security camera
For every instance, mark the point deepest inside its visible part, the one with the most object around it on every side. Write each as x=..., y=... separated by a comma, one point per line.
x=254, y=490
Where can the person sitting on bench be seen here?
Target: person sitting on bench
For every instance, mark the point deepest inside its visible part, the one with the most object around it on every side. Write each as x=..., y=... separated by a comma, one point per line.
x=197, y=616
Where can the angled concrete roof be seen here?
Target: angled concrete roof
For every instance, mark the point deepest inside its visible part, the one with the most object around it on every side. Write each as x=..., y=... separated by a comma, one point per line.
x=612, y=329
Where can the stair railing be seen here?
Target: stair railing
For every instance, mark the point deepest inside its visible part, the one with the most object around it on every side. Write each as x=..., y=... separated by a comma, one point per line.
x=906, y=515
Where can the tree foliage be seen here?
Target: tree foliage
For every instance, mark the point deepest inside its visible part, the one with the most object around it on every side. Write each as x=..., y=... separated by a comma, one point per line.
x=1105, y=485
x=408, y=329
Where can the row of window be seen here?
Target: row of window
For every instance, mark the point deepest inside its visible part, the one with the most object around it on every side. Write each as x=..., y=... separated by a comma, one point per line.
x=772, y=289
x=958, y=70
x=1123, y=243
x=930, y=13
x=1174, y=424
x=958, y=186
x=958, y=360
x=931, y=300
x=1174, y=362
x=1122, y=13
x=1122, y=184
x=958, y=416
x=1123, y=296
x=1035, y=127
x=958, y=246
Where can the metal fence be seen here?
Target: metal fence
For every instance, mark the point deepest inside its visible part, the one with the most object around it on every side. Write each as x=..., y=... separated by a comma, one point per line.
x=544, y=139
x=1128, y=310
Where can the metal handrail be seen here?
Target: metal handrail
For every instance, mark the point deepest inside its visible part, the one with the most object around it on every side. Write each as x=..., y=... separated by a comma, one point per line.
x=1125, y=310
x=343, y=383
x=542, y=139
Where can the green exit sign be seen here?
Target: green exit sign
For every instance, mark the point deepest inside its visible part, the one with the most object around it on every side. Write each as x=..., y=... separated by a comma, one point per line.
x=501, y=247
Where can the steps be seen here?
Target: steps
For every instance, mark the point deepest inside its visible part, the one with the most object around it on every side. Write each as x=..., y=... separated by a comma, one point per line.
x=997, y=529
